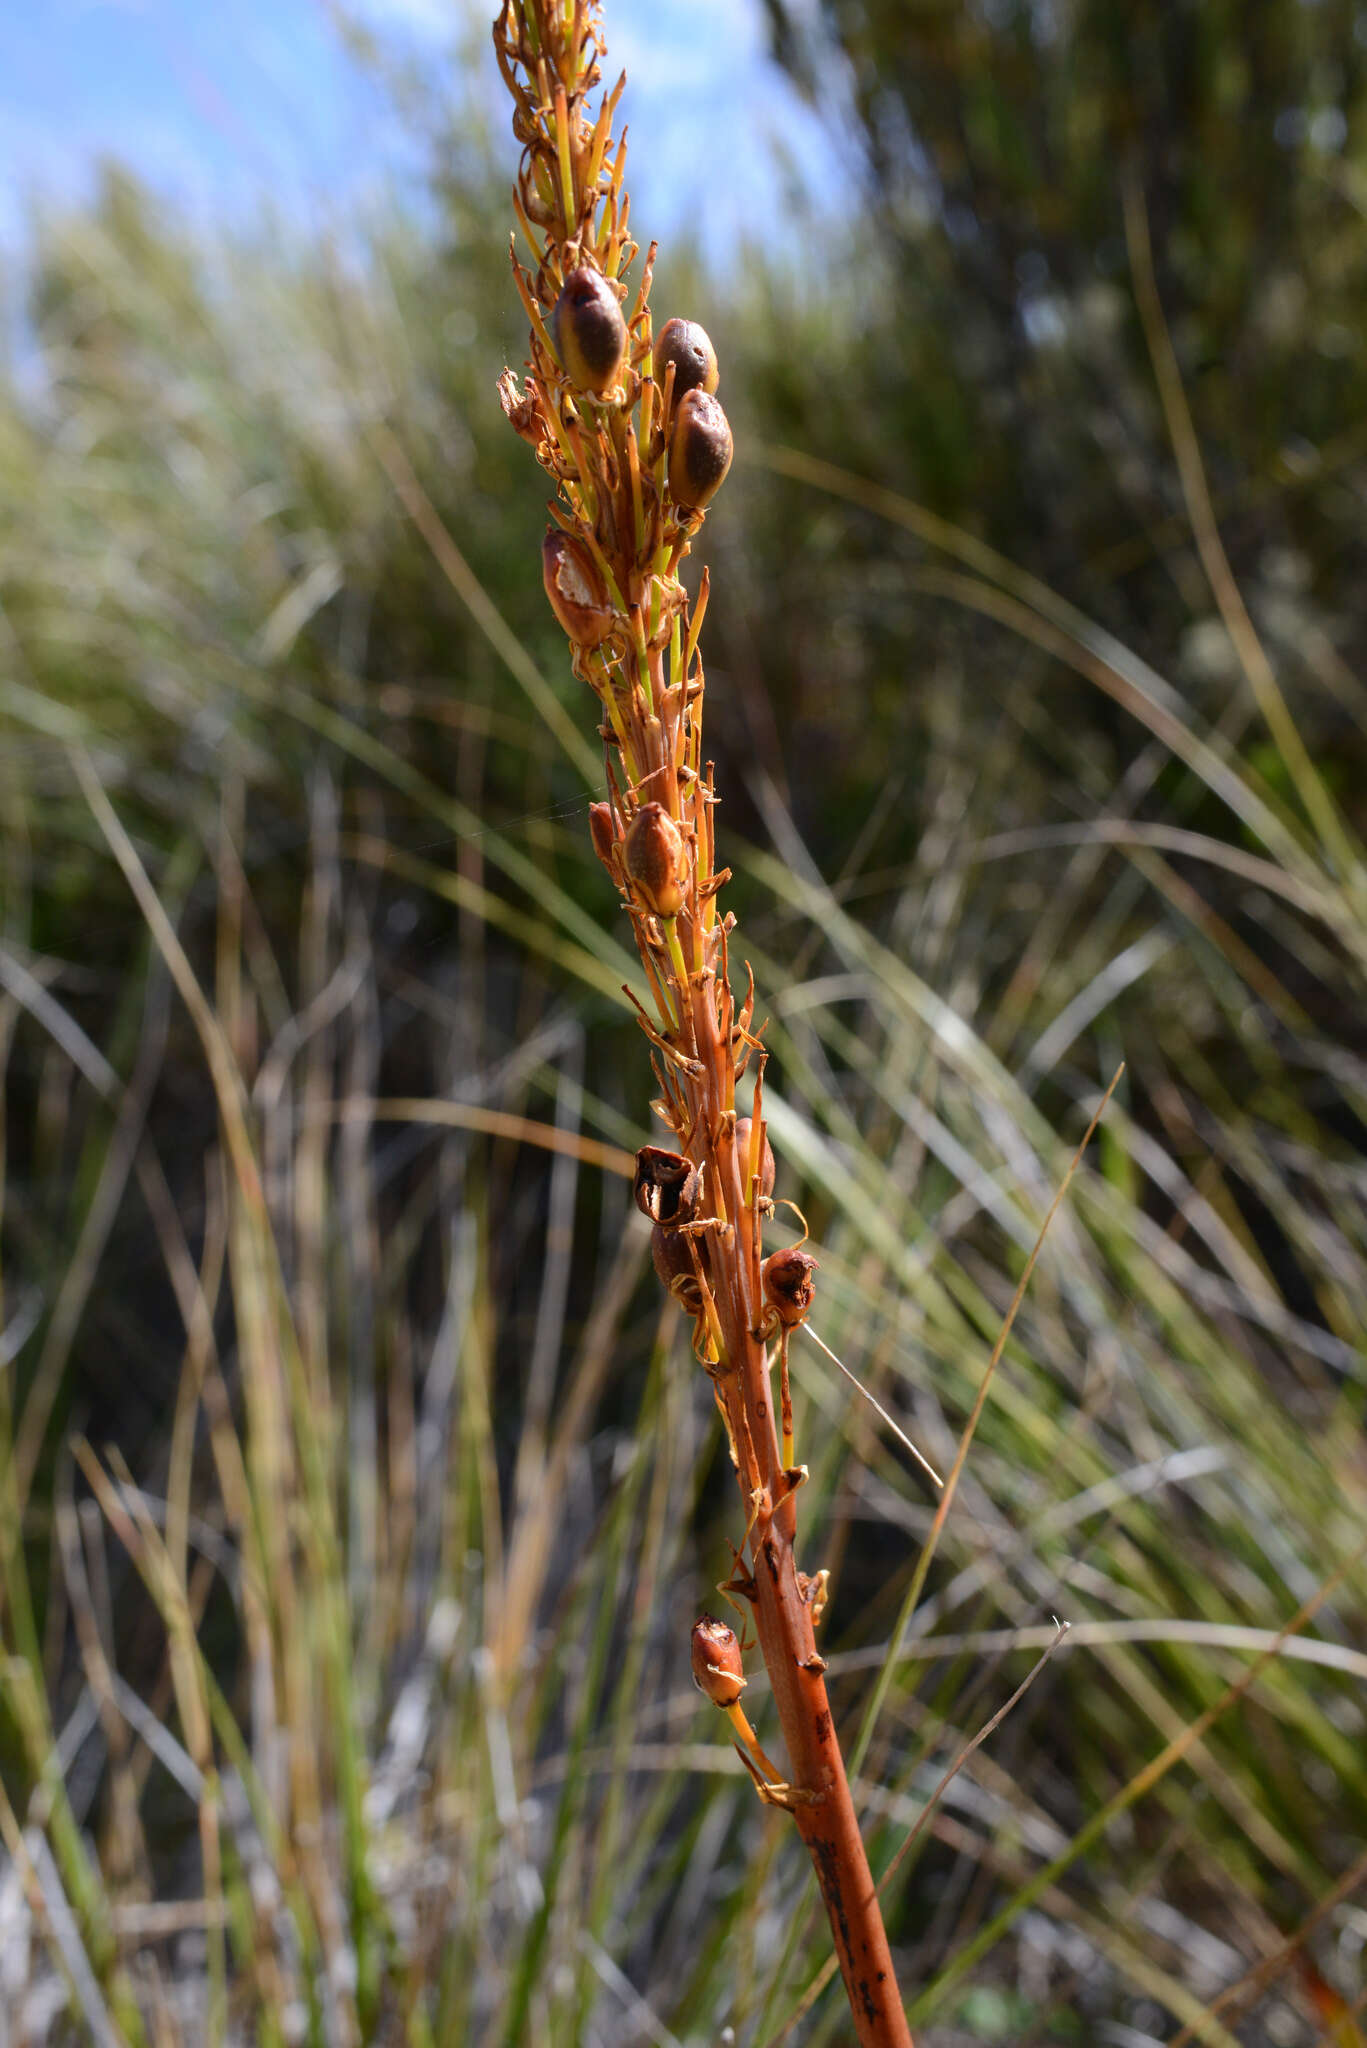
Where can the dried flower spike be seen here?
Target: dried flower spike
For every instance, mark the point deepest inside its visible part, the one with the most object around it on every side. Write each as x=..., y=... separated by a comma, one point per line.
x=575, y=590
x=717, y=1670
x=595, y=421
x=666, y=1186
x=653, y=854
x=685, y=344
x=590, y=333
x=699, y=451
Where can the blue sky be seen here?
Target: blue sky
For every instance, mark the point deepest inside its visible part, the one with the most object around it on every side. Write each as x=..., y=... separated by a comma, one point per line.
x=220, y=103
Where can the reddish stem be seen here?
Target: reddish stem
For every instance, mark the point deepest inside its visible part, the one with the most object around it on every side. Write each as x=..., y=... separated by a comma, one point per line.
x=823, y=1808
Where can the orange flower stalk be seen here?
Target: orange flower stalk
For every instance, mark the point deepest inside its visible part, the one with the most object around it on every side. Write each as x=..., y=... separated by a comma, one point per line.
x=637, y=444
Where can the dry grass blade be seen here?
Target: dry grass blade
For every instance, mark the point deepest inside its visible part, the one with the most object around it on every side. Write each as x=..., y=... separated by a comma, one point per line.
x=1139, y=1785
x=946, y=1500
x=1000, y=590
x=1284, y=1958
x=878, y=1408
x=1309, y=784
x=497, y=1123
x=490, y=620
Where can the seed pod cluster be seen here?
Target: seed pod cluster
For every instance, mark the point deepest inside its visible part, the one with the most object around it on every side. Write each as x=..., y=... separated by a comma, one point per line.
x=717, y=1669
x=699, y=435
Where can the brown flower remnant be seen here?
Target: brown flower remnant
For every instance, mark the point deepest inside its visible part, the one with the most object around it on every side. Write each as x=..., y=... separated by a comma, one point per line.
x=717, y=1670
x=666, y=1186
x=788, y=1285
x=789, y=1292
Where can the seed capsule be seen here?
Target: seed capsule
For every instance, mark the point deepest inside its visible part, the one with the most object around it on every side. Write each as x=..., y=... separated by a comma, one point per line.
x=590, y=333
x=717, y=1670
x=674, y=1263
x=699, y=451
x=766, y=1164
x=666, y=1186
x=788, y=1285
x=686, y=345
x=575, y=590
x=653, y=853
x=603, y=833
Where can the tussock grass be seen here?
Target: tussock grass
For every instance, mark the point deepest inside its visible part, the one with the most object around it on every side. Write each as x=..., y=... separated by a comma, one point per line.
x=353, y=1500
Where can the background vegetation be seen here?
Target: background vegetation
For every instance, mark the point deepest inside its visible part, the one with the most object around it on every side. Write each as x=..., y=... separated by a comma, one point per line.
x=355, y=1494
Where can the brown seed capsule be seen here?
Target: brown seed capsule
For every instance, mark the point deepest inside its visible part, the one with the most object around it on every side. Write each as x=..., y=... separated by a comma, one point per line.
x=788, y=1285
x=653, y=852
x=766, y=1164
x=686, y=345
x=666, y=1186
x=717, y=1670
x=603, y=833
x=575, y=590
x=699, y=450
x=590, y=333
x=674, y=1263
